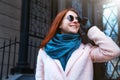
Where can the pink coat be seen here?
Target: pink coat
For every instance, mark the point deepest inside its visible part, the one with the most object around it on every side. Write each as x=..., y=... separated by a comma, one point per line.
x=80, y=64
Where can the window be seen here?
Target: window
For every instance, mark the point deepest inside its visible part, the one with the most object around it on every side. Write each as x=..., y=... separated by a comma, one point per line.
x=110, y=25
x=110, y=21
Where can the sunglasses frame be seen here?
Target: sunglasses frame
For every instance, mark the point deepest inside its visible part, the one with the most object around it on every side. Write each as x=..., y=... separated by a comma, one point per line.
x=71, y=18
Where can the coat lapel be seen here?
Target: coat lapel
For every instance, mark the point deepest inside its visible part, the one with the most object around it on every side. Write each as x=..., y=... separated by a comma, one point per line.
x=76, y=54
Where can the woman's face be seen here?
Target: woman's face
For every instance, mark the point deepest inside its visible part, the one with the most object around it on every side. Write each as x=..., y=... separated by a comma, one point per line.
x=70, y=23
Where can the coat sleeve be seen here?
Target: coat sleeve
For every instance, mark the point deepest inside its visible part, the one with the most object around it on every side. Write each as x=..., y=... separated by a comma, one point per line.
x=39, y=68
x=106, y=48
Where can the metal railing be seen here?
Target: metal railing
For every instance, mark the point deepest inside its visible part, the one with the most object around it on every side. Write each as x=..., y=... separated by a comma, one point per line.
x=9, y=56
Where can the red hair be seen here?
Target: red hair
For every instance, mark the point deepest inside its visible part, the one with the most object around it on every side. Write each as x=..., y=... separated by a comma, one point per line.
x=55, y=26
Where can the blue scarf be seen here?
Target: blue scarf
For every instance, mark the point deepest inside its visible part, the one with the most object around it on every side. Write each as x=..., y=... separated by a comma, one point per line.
x=61, y=46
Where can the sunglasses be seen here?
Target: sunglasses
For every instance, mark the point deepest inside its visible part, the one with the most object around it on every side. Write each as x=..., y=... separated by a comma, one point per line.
x=71, y=18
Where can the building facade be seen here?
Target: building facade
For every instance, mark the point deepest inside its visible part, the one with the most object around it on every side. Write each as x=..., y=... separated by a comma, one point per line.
x=24, y=24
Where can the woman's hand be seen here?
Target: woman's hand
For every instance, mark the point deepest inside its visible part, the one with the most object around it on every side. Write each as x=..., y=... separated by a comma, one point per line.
x=85, y=24
x=84, y=27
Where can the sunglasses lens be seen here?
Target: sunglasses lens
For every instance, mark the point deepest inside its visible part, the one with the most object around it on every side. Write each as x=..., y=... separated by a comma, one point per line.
x=79, y=19
x=70, y=18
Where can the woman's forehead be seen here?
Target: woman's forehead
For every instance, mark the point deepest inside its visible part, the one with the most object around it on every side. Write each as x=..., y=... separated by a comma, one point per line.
x=71, y=13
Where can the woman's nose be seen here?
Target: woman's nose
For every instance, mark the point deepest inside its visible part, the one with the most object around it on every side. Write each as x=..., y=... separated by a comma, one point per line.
x=75, y=21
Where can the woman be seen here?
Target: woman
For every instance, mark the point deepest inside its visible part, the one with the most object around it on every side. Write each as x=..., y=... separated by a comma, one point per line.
x=63, y=55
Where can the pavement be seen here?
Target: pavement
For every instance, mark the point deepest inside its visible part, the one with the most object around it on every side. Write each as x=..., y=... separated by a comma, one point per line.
x=20, y=77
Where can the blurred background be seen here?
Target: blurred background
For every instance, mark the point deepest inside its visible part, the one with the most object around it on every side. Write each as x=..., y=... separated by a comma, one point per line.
x=24, y=24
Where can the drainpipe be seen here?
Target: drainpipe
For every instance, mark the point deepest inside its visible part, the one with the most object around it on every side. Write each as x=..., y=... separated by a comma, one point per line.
x=23, y=65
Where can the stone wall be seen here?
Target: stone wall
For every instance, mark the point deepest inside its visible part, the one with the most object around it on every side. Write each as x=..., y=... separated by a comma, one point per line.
x=10, y=14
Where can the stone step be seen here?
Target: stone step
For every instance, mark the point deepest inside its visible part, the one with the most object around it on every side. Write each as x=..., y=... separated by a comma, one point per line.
x=26, y=77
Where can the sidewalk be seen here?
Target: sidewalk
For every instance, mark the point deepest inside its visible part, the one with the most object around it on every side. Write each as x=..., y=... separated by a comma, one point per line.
x=20, y=77
x=26, y=77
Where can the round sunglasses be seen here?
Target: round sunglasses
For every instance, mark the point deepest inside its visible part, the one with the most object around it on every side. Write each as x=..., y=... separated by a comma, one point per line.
x=71, y=18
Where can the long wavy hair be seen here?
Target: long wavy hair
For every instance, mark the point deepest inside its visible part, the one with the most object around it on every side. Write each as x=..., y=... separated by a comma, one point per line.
x=55, y=26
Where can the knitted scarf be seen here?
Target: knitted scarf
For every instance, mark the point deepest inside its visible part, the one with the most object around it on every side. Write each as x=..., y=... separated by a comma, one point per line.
x=61, y=46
